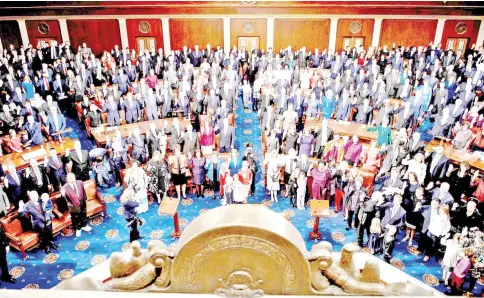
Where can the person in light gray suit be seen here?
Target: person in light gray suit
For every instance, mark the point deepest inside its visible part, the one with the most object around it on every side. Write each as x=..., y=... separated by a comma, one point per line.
x=268, y=119
x=227, y=136
x=151, y=105
x=190, y=140
x=176, y=132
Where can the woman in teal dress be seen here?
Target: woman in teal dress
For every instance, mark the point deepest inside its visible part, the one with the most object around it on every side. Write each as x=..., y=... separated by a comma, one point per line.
x=328, y=104
x=384, y=133
x=28, y=87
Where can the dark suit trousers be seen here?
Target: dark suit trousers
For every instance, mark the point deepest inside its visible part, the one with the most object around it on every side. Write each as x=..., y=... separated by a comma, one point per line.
x=428, y=243
x=362, y=227
x=79, y=219
x=46, y=236
x=134, y=232
x=350, y=218
x=4, y=264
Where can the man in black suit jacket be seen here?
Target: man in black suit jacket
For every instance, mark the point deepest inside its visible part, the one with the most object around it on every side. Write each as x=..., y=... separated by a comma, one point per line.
x=4, y=249
x=37, y=178
x=366, y=213
x=437, y=165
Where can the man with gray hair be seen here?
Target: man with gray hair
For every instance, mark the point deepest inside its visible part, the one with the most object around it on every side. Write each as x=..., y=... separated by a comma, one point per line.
x=442, y=193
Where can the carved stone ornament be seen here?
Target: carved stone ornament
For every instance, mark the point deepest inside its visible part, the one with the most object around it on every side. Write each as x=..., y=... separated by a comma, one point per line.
x=461, y=28
x=244, y=251
x=43, y=28
x=248, y=27
x=355, y=27
x=144, y=27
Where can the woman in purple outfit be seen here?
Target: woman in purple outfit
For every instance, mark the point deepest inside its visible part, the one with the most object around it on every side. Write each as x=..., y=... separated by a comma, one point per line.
x=197, y=164
x=306, y=142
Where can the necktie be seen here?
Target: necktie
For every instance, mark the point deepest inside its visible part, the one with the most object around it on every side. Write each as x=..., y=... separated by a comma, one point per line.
x=46, y=84
x=15, y=177
x=56, y=162
x=39, y=177
x=41, y=208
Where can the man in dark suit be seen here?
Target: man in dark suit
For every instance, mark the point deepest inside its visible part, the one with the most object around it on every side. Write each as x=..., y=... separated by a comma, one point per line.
x=56, y=170
x=405, y=116
x=388, y=182
x=41, y=215
x=138, y=142
x=123, y=81
x=394, y=214
x=75, y=195
x=14, y=185
x=227, y=136
x=365, y=215
x=80, y=161
x=323, y=135
x=437, y=165
x=4, y=250
x=111, y=108
x=56, y=123
x=131, y=109
x=36, y=178
x=34, y=131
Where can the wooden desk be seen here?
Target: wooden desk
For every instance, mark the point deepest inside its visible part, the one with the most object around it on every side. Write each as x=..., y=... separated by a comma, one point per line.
x=457, y=156
x=345, y=128
x=144, y=126
x=20, y=163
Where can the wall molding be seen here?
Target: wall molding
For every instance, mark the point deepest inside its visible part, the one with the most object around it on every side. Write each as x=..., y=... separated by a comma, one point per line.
x=244, y=16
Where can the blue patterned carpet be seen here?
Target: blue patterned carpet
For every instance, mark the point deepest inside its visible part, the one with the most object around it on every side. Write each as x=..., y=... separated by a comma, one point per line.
x=109, y=234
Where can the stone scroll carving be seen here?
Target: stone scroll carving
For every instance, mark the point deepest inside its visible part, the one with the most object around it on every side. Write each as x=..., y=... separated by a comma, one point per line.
x=239, y=256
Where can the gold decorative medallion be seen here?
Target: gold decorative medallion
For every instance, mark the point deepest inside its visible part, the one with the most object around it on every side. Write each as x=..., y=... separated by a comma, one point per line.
x=67, y=232
x=98, y=259
x=397, y=263
x=202, y=211
x=239, y=284
x=187, y=202
x=31, y=286
x=156, y=234
x=247, y=120
x=430, y=280
x=461, y=28
x=144, y=27
x=43, y=28
x=355, y=27
x=65, y=274
x=183, y=222
x=126, y=246
x=18, y=271
x=96, y=221
x=120, y=211
x=338, y=236
x=112, y=233
x=109, y=199
x=51, y=258
x=82, y=245
x=248, y=27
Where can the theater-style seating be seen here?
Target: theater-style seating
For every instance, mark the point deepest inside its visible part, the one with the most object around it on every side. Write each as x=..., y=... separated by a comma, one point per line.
x=27, y=240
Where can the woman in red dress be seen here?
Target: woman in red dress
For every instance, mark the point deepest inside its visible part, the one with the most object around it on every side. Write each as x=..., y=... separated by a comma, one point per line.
x=224, y=173
x=15, y=144
x=207, y=138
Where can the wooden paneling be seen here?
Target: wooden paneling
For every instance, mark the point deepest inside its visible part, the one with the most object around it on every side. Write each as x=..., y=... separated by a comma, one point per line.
x=298, y=33
x=260, y=30
x=99, y=35
x=10, y=34
x=471, y=32
x=191, y=32
x=261, y=8
x=407, y=32
x=366, y=32
x=134, y=32
x=35, y=36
